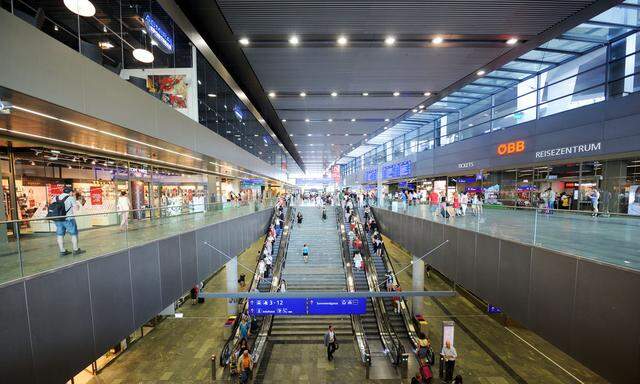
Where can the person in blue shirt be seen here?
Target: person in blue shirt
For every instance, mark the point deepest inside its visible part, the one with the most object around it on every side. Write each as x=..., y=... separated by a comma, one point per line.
x=305, y=253
x=244, y=329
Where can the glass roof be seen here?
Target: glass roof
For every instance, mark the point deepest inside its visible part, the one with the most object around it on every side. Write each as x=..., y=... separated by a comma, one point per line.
x=526, y=66
x=596, y=32
x=569, y=45
x=495, y=82
x=554, y=57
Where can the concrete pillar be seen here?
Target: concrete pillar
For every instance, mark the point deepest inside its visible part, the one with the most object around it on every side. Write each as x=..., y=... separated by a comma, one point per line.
x=231, y=269
x=418, y=285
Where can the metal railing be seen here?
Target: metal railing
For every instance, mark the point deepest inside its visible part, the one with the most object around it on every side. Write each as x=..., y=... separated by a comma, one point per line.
x=30, y=246
x=356, y=323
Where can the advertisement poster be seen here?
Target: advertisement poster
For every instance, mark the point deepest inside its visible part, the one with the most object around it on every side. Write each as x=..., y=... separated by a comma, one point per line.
x=171, y=89
x=54, y=190
x=335, y=173
x=634, y=200
x=96, y=195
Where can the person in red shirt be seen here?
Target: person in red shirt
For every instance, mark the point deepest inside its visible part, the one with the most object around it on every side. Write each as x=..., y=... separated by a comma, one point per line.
x=434, y=199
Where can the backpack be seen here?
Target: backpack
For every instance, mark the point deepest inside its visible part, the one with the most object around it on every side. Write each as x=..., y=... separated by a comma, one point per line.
x=57, y=208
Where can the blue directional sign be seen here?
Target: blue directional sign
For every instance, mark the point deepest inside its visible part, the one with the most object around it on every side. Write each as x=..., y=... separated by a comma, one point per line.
x=307, y=306
x=291, y=306
x=337, y=306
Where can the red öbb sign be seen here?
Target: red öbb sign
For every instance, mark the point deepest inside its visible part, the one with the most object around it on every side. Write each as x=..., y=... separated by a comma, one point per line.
x=511, y=148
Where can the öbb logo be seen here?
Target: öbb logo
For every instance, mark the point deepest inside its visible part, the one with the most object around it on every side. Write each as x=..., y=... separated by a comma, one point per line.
x=511, y=148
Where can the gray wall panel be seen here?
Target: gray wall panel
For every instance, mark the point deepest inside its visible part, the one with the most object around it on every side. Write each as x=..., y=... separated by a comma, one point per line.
x=606, y=318
x=465, y=263
x=145, y=275
x=515, y=268
x=203, y=253
x=16, y=363
x=437, y=236
x=450, y=251
x=217, y=238
x=188, y=260
x=111, y=303
x=552, y=276
x=424, y=241
x=170, y=276
x=487, y=257
x=61, y=325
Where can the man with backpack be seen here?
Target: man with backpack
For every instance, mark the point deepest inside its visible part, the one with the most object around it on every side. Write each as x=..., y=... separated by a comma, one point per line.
x=61, y=210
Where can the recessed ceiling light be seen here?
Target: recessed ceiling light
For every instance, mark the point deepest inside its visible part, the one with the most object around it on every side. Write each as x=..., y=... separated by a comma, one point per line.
x=437, y=40
x=414, y=110
x=386, y=120
x=296, y=144
x=512, y=41
x=311, y=145
x=307, y=120
x=385, y=128
x=272, y=94
x=365, y=93
x=105, y=45
x=142, y=55
x=421, y=106
x=212, y=95
x=334, y=94
x=83, y=8
x=396, y=93
x=330, y=120
x=308, y=134
x=293, y=40
x=364, y=134
x=284, y=120
x=390, y=40
x=342, y=40
x=256, y=135
x=328, y=134
x=55, y=28
x=303, y=94
x=244, y=41
x=480, y=72
x=346, y=134
x=353, y=120
x=291, y=135
x=427, y=94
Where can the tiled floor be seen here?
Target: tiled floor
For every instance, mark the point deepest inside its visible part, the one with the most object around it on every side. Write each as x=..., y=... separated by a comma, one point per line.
x=39, y=252
x=611, y=240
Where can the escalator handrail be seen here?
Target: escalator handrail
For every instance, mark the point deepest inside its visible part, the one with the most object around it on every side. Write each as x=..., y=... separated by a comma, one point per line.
x=406, y=317
x=387, y=334
x=356, y=322
x=234, y=338
x=260, y=342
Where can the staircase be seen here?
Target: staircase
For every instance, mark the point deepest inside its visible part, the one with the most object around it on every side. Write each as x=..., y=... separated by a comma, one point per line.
x=323, y=272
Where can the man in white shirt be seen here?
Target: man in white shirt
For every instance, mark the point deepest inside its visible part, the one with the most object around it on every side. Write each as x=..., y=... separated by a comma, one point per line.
x=330, y=342
x=67, y=225
x=449, y=355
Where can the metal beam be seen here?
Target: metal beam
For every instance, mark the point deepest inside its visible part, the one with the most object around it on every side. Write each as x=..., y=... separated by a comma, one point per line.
x=321, y=294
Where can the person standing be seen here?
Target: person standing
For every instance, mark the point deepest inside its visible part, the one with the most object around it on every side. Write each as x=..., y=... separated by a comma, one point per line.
x=464, y=201
x=299, y=218
x=123, y=206
x=594, y=196
x=330, y=342
x=305, y=253
x=64, y=206
x=324, y=214
x=449, y=355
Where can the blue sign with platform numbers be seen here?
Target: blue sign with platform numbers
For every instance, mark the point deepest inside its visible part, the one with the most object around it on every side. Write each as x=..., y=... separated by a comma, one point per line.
x=307, y=306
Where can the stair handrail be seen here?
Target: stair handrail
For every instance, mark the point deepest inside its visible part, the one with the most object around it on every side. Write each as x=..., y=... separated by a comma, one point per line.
x=404, y=309
x=387, y=334
x=356, y=321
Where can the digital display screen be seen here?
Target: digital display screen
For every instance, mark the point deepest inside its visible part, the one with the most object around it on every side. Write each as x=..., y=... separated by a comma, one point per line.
x=308, y=306
x=397, y=170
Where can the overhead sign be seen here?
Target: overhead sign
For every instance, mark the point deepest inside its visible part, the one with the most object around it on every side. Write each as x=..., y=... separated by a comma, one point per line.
x=510, y=148
x=371, y=175
x=570, y=150
x=158, y=33
x=308, y=306
x=397, y=170
x=492, y=309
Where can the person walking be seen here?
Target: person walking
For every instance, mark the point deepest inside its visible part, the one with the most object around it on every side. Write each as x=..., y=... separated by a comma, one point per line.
x=464, y=201
x=63, y=208
x=194, y=294
x=449, y=355
x=456, y=204
x=594, y=196
x=299, y=218
x=305, y=253
x=245, y=365
x=331, y=342
x=324, y=214
x=123, y=206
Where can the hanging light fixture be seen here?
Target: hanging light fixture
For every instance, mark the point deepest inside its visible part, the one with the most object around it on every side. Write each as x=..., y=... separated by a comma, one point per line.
x=143, y=55
x=83, y=8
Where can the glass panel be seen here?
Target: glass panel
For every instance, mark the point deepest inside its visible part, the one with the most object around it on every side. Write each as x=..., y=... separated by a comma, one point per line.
x=619, y=15
x=509, y=74
x=518, y=117
x=531, y=67
x=569, y=45
x=460, y=99
x=587, y=97
x=624, y=47
x=597, y=33
x=492, y=81
x=469, y=94
x=572, y=85
x=552, y=57
x=483, y=89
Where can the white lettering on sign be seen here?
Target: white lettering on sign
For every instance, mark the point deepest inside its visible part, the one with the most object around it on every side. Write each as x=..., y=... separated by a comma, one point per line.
x=574, y=149
x=466, y=165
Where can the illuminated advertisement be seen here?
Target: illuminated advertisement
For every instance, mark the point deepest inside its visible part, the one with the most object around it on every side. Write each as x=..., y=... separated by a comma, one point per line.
x=510, y=148
x=158, y=33
x=634, y=200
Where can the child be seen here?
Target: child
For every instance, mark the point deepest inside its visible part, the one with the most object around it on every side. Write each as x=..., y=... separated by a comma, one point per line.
x=305, y=253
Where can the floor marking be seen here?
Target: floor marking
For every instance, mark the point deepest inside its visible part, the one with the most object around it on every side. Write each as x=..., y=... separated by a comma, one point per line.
x=545, y=356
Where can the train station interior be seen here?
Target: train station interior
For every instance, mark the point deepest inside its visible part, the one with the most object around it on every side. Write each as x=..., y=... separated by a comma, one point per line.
x=338, y=191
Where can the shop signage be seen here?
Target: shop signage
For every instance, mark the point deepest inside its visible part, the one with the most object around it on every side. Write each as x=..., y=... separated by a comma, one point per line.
x=96, y=195
x=510, y=148
x=158, y=33
x=570, y=150
x=469, y=164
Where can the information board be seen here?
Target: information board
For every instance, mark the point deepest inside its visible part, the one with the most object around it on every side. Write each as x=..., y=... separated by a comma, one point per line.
x=397, y=170
x=371, y=175
x=308, y=306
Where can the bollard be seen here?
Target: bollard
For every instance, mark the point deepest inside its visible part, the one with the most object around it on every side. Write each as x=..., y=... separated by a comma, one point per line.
x=213, y=367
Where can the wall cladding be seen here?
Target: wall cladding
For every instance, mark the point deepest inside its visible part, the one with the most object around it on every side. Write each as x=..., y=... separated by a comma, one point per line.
x=54, y=324
x=571, y=302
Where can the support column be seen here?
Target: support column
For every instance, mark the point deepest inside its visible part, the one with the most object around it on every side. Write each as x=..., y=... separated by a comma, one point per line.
x=231, y=269
x=418, y=284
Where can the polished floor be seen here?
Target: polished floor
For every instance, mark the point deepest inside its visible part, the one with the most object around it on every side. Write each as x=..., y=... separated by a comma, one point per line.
x=179, y=350
x=612, y=240
x=39, y=252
